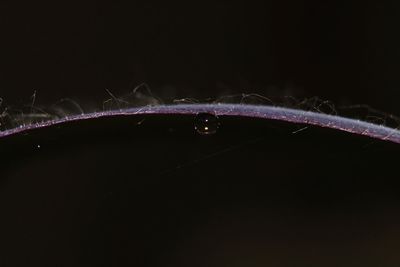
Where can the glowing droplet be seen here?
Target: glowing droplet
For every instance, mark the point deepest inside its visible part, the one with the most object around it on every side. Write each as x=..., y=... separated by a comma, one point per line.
x=206, y=123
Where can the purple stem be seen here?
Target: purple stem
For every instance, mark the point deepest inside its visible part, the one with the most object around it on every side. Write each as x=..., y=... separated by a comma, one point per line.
x=263, y=112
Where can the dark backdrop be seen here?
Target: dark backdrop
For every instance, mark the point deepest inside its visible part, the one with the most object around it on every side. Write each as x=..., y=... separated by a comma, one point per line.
x=344, y=51
x=153, y=192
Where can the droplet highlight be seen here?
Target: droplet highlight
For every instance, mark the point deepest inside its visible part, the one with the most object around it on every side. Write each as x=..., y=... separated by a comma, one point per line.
x=206, y=123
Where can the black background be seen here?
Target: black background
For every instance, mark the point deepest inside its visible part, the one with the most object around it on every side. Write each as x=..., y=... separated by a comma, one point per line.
x=150, y=191
x=344, y=51
x=112, y=192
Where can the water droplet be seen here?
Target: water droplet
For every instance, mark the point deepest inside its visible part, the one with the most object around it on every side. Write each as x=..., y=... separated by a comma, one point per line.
x=206, y=123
